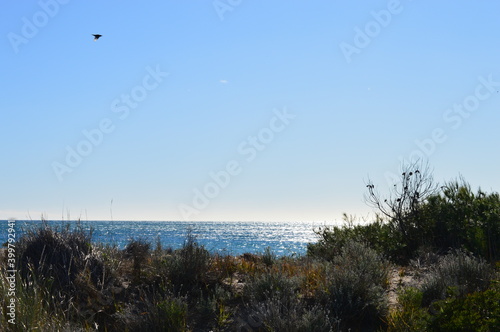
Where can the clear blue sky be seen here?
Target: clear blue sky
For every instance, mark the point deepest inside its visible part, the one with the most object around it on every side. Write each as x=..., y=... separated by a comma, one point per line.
x=240, y=110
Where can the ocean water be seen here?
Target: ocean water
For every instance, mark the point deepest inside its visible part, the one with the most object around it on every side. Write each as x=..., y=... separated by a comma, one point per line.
x=235, y=238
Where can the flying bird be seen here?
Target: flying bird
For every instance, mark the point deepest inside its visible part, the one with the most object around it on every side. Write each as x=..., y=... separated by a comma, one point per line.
x=96, y=37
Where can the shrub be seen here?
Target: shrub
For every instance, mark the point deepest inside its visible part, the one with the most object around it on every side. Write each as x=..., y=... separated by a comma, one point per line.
x=268, y=257
x=410, y=316
x=356, y=291
x=59, y=273
x=462, y=219
x=58, y=258
x=289, y=315
x=458, y=273
x=330, y=243
x=187, y=267
x=138, y=250
x=223, y=266
x=213, y=309
x=377, y=235
x=275, y=305
x=420, y=216
x=170, y=315
x=269, y=285
x=403, y=207
x=478, y=311
x=53, y=255
x=364, y=261
x=33, y=307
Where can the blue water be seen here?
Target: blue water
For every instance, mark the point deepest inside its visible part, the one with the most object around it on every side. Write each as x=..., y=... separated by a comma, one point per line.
x=235, y=238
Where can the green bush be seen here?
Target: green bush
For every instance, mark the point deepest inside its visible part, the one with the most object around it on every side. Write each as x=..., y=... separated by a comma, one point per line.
x=409, y=315
x=331, y=239
x=462, y=219
x=418, y=215
x=34, y=308
x=330, y=242
x=454, y=217
x=478, y=311
x=170, y=315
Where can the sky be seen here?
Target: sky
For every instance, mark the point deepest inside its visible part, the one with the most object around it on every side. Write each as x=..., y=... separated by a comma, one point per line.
x=240, y=110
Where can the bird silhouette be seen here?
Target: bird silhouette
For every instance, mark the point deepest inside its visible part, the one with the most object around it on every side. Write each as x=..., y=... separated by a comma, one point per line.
x=96, y=36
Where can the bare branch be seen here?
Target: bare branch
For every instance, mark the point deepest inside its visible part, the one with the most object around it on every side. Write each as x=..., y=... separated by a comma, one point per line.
x=405, y=197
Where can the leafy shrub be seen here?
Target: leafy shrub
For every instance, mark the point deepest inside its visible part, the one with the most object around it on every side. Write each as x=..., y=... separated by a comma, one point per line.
x=330, y=243
x=458, y=273
x=478, y=311
x=378, y=235
x=418, y=215
x=356, y=291
x=365, y=261
x=462, y=219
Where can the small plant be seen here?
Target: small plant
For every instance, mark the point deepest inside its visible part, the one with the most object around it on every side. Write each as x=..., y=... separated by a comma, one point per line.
x=171, y=315
x=34, y=307
x=268, y=257
x=213, y=309
x=223, y=266
x=314, y=277
x=410, y=315
x=188, y=266
x=138, y=250
x=223, y=315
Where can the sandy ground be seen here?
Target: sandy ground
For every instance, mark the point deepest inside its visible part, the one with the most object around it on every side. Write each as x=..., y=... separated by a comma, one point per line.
x=401, y=277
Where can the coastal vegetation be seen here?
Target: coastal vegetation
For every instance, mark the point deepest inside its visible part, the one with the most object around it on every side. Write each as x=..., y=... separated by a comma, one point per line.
x=430, y=261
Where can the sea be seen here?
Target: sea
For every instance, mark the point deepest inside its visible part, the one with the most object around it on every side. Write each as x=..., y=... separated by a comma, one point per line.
x=230, y=237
